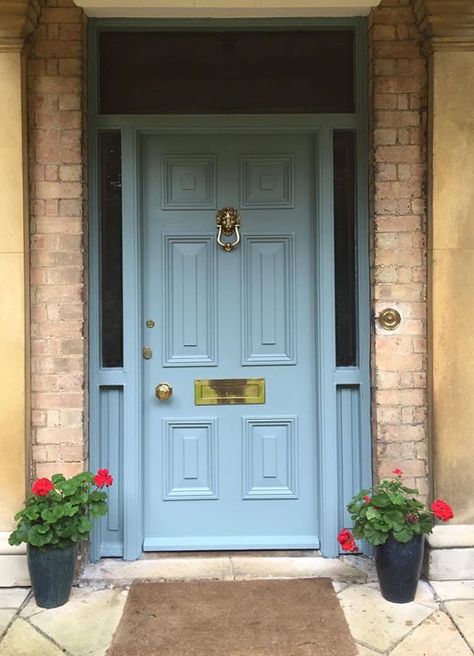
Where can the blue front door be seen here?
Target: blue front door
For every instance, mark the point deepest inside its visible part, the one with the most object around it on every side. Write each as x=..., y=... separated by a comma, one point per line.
x=231, y=457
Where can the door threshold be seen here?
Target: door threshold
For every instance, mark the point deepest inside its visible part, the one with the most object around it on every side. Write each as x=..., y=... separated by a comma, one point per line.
x=261, y=553
x=233, y=566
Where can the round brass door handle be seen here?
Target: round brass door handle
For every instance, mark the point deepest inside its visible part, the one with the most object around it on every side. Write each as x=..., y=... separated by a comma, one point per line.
x=163, y=391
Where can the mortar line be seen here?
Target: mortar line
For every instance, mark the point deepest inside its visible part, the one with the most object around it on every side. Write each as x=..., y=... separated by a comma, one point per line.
x=232, y=567
x=371, y=647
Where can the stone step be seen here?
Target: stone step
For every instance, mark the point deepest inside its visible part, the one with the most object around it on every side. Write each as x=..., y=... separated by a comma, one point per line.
x=450, y=553
x=224, y=568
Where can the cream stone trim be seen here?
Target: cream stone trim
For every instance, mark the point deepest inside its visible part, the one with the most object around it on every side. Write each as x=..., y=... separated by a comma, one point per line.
x=224, y=8
x=452, y=536
x=11, y=45
x=447, y=24
x=13, y=565
x=6, y=549
x=18, y=19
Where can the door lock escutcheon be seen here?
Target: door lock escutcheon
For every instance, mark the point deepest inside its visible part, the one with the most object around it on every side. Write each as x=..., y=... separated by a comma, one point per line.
x=147, y=352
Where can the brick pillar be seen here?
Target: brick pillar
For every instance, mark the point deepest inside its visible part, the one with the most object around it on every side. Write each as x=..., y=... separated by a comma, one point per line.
x=56, y=104
x=398, y=101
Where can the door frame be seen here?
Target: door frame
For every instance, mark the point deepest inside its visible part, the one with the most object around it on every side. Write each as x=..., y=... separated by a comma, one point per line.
x=128, y=503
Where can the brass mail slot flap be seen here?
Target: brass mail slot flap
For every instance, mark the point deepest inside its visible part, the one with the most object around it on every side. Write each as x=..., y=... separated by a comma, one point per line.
x=229, y=391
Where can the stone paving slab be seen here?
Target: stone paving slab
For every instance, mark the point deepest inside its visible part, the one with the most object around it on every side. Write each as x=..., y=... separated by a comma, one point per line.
x=436, y=636
x=23, y=640
x=6, y=616
x=13, y=597
x=462, y=613
x=447, y=590
x=85, y=624
x=339, y=586
x=376, y=622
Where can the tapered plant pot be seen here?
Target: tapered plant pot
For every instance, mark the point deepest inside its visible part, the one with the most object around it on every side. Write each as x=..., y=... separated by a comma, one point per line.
x=51, y=572
x=399, y=567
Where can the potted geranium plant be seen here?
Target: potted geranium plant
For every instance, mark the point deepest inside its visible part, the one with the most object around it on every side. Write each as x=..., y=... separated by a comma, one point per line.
x=395, y=522
x=56, y=517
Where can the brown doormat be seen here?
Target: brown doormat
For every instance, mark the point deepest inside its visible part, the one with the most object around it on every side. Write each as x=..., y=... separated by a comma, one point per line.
x=248, y=618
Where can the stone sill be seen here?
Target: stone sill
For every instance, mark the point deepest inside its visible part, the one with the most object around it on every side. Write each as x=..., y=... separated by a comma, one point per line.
x=6, y=549
x=453, y=536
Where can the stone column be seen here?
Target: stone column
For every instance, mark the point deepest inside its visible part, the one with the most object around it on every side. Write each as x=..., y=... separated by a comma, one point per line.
x=449, y=27
x=16, y=21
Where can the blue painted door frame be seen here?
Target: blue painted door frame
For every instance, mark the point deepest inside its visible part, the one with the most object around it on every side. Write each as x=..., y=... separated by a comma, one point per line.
x=343, y=393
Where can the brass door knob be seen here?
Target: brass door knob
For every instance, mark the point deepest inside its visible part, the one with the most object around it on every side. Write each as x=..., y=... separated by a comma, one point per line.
x=163, y=391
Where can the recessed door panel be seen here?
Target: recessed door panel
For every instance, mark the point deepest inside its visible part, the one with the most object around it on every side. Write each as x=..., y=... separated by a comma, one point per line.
x=270, y=460
x=230, y=452
x=268, y=303
x=189, y=464
x=189, y=308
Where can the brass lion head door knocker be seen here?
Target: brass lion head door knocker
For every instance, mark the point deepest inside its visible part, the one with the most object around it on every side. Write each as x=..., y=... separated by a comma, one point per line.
x=228, y=224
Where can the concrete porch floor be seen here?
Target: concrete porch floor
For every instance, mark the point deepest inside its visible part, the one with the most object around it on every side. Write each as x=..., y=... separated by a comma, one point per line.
x=440, y=621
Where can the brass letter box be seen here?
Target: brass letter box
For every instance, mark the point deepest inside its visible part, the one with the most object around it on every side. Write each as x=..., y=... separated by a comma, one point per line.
x=229, y=391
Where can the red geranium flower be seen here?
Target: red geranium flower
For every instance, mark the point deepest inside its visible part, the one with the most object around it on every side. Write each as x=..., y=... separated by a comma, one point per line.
x=103, y=478
x=42, y=486
x=367, y=499
x=397, y=472
x=442, y=510
x=346, y=540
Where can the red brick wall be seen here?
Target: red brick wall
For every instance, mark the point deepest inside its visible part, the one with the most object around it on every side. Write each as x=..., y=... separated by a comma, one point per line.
x=56, y=107
x=398, y=102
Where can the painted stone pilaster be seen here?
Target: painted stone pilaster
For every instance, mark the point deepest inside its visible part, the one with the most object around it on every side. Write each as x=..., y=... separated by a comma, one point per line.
x=17, y=19
x=449, y=31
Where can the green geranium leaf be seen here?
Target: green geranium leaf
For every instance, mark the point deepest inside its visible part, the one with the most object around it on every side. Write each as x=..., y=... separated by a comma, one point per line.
x=397, y=499
x=380, y=500
x=38, y=539
x=67, y=487
x=32, y=513
x=405, y=535
x=85, y=525
x=373, y=536
x=17, y=537
x=372, y=512
x=98, y=509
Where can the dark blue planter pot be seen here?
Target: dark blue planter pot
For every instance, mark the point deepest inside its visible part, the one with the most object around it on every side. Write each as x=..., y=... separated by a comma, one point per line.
x=399, y=568
x=51, y=573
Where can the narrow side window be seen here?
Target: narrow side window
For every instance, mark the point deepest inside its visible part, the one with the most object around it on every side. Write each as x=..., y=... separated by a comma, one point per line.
x=110, y=154
x=345, y=259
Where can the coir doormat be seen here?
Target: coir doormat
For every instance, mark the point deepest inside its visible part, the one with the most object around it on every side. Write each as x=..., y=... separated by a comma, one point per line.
x=248, y=618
